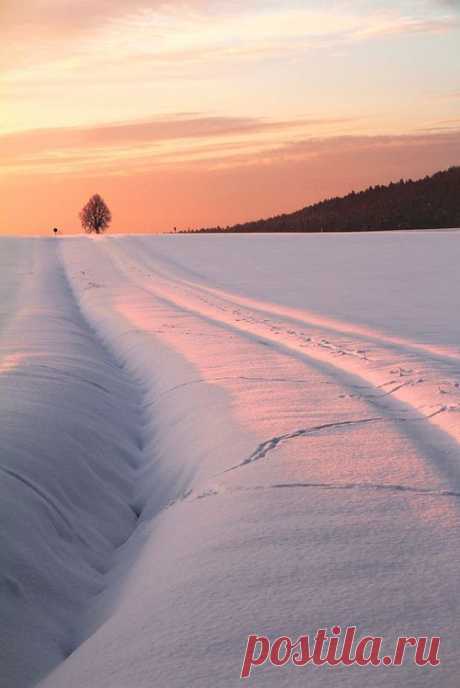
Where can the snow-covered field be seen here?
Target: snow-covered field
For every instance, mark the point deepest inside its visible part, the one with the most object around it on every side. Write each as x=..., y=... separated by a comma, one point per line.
x=204, y=437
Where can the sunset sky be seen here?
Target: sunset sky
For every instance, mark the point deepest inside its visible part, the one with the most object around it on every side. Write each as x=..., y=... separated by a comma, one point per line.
x=200, y=112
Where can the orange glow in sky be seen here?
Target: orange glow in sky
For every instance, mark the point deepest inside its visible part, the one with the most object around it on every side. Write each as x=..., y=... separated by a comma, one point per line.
x=209, y=112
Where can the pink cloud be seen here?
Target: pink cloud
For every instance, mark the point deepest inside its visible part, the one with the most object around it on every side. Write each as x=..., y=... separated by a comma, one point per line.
x=32, y=143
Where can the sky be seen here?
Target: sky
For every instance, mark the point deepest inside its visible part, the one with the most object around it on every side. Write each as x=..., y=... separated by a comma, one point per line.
x=191, y=113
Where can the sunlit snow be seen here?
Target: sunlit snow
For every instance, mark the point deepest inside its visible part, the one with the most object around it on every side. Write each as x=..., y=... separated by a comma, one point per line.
x=205, y=437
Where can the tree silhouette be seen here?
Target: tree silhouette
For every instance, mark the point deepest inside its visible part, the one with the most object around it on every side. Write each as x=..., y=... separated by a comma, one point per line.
x=95, y=216
x=429, y=203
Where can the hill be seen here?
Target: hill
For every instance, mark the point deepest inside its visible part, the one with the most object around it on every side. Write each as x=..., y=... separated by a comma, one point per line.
x=429, y=203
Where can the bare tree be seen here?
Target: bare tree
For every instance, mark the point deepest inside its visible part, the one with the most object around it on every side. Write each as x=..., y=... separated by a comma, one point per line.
x=95, y=216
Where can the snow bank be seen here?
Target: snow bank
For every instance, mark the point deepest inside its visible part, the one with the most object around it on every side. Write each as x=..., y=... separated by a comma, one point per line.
x=69, y=448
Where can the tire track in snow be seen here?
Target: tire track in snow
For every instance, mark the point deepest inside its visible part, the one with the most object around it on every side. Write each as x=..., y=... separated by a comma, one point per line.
x=393, y=407
x=225, y=315
x=245, y=306
x=250, y=317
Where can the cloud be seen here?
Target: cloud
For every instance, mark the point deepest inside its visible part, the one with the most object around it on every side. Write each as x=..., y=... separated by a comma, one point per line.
x=327, y=152
x=67, y=18
x=74, y=148
x=40, y=30
x=204, y=142
x=49, y=17
x=177, y=126
x=34, y=30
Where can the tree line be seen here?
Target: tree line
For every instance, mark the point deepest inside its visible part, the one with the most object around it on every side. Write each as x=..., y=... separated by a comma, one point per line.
x=429, y=203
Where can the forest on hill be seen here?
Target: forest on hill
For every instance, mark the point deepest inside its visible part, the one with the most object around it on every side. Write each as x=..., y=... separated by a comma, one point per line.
x=429, y=203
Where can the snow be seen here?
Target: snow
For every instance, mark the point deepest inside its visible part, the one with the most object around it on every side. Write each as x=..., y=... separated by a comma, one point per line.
x=205, y=437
